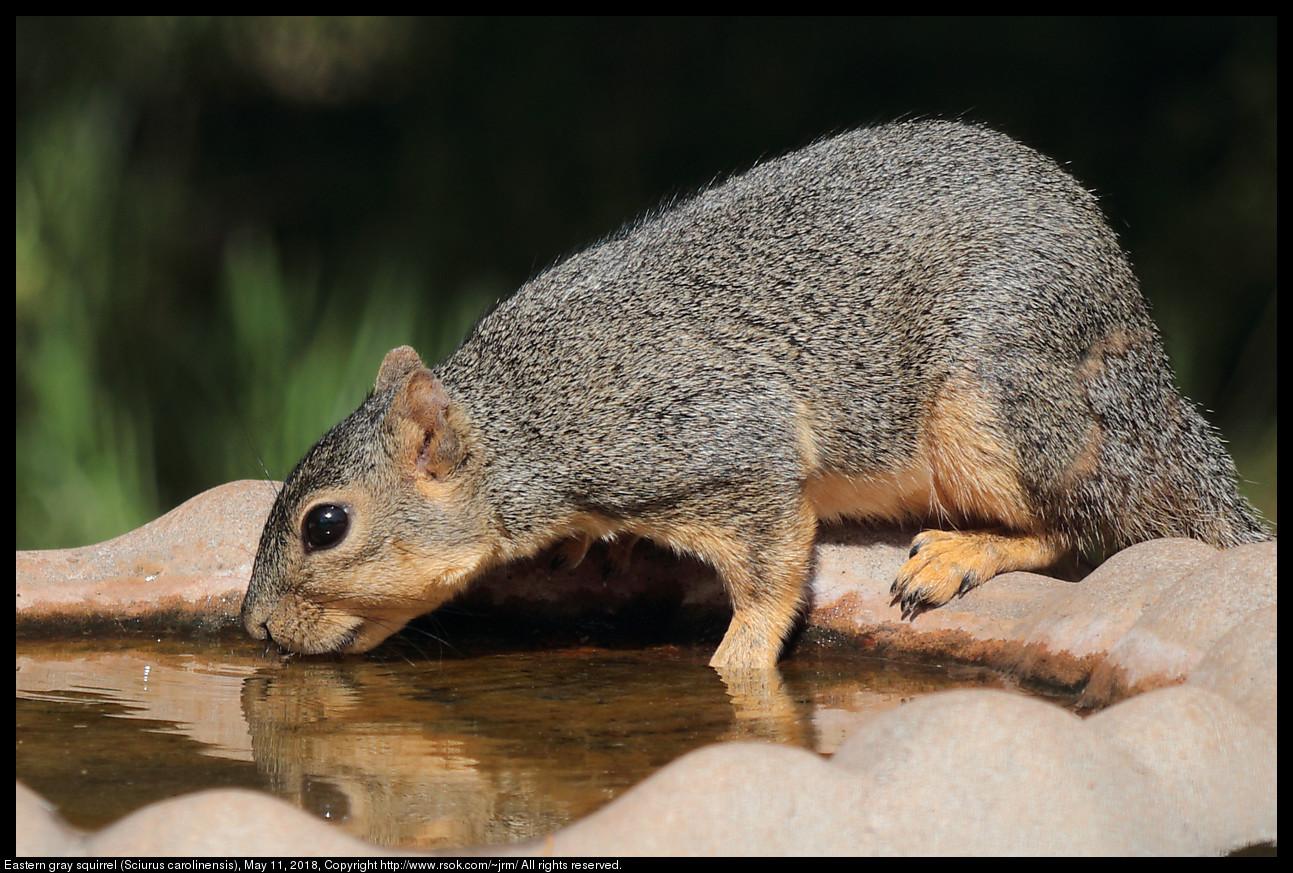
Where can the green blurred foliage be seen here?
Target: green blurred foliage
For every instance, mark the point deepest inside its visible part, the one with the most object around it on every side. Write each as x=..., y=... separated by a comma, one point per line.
x=222, y=223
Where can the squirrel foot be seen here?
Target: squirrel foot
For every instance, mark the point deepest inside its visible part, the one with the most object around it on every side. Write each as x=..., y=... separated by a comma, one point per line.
x=947, y=564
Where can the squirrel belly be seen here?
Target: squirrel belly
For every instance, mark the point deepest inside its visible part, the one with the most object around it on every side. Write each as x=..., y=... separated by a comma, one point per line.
x=919, y=322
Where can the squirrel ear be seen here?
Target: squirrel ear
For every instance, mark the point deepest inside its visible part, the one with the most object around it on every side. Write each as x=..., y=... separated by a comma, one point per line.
x=420, y=412
x=396, y=367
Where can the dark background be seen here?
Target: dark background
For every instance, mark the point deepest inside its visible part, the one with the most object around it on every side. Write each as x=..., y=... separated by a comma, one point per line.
x=222, y=223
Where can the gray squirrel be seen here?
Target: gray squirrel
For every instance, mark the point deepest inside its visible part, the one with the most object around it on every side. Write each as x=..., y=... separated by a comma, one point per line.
x=921, y=322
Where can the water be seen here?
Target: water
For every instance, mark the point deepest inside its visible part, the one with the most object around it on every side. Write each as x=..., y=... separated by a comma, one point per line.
x=407, y=749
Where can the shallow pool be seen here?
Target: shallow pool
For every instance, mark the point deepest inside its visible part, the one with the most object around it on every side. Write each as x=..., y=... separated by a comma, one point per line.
x=410, y=749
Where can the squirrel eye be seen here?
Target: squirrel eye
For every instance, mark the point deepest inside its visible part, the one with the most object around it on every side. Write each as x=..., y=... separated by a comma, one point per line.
x=325, y=526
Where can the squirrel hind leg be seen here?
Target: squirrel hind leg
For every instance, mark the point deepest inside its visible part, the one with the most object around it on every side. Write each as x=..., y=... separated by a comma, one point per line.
x=975, y=477
x=946, y=564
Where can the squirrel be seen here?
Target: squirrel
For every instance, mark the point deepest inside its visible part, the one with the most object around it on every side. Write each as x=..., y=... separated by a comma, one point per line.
x=920, y=322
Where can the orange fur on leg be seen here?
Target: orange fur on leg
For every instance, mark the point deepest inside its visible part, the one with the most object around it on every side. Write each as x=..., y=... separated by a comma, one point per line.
x=947, y=564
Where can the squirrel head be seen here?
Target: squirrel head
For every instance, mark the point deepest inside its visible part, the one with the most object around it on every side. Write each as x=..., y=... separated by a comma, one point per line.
x=375, y=526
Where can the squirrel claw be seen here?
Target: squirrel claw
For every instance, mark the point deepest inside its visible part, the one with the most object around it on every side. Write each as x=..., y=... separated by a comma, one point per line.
x=911, y=602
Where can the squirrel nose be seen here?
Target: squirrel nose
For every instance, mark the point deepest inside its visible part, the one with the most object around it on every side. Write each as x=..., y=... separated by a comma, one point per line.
x=254, y=620
x=257, y=630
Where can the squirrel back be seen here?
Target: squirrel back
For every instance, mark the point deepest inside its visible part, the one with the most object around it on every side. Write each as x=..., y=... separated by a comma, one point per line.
x=923, y=321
